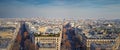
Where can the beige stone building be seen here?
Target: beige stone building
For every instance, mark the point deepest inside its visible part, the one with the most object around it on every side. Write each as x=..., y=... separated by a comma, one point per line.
x=48, y=42
x=87, y=41
x=8, y=33
x=46, y=36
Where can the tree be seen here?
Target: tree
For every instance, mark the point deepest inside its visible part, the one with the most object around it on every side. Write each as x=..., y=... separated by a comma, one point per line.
x=25, y=34
x=68, y=45
x=16, y=46
x=18, y=38
x=36, y=47
x=32, y=46
x=27, y=44
x=64, y=30
x=64, y=36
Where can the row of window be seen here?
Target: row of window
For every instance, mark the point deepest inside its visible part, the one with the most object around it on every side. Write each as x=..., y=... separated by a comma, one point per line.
x=100, y=40
x=46, y=39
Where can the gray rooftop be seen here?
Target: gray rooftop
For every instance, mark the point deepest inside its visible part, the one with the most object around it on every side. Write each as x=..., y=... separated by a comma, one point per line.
x=4, y=42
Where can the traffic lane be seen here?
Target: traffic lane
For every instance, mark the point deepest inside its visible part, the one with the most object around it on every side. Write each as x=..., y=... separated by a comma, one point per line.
x=23, y=29
x=70, y=38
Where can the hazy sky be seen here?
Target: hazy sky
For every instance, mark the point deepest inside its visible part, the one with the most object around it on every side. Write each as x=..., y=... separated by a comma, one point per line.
x=60, y=8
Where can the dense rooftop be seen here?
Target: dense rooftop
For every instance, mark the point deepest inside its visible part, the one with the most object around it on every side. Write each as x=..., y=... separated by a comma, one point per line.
x=106, y=30
x=44, y=29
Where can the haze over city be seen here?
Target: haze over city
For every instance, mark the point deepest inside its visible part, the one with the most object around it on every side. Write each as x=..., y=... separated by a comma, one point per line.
x=109, y=9
x=59, y=25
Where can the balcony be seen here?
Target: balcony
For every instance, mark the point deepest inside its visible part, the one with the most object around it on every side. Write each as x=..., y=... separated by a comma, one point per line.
x=47, y=35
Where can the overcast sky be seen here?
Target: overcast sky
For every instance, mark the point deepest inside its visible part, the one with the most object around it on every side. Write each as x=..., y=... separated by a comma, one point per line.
x=60, y=8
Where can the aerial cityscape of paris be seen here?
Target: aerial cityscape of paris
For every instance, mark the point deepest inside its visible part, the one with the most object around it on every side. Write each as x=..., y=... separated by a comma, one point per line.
x=59, y=24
